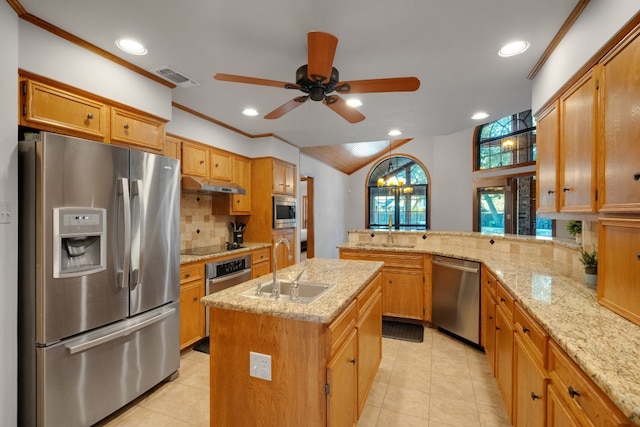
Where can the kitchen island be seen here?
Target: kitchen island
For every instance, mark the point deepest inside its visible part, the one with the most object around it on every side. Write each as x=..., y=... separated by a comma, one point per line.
x=321, y=357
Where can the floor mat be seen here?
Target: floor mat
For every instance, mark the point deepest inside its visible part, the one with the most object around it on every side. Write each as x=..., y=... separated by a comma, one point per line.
x=202, y=346
x=402, y=331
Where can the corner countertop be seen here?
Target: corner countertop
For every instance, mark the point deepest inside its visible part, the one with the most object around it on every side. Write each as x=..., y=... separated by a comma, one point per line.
x=348, y=277
x=248, y=247
x=605, y=345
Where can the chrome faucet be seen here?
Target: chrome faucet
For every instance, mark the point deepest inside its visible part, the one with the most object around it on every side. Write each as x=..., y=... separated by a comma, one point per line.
x=275, y=292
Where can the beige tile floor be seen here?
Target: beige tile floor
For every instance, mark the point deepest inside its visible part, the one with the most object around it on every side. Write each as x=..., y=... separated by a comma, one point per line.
x=440, y=382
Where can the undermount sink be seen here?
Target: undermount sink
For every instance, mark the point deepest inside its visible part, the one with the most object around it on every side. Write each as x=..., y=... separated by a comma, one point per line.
x=385, y=245
x=308, y=292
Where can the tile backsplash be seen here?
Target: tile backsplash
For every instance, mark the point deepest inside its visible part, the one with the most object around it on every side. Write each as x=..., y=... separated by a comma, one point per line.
x=198, y=226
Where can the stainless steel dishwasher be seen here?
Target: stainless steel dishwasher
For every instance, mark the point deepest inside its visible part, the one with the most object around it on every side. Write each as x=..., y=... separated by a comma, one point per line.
x=456, y=297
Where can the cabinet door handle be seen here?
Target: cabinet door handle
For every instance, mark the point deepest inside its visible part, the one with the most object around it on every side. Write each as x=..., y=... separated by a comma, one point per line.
x=126, y=126
x=502, y=299
x=490, y=317
x=352, y=361
x=187, y=275
x=195, y=299
x=90, y=117
x=636, y=176
x=497, y=328
x=565, y=189
x=550, y=192
x=201, y=161
x=525, y=330
x=534, y=396
x=572, y=392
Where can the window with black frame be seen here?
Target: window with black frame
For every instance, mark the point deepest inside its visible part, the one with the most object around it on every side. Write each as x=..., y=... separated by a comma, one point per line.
x=398, y=194
x=506, y=142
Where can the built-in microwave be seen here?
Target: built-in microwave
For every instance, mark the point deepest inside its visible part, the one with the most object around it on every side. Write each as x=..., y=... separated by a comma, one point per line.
x=284, y=212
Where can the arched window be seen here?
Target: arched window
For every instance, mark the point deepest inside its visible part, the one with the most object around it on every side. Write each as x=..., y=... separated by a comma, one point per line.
x=398, y=192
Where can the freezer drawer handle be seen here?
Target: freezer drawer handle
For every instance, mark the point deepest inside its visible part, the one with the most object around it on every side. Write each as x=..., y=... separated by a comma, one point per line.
x=73, y=349
x=454, y=266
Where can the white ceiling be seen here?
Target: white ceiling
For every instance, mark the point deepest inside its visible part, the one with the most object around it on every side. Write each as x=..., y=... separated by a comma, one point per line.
x=450, y=45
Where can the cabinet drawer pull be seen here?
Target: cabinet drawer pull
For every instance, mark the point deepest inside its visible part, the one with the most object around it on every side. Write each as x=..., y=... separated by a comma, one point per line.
x=352, y=361
x=126, y=126
x=497, y=328
x=90, y=117
x=502, y=299
x=201, y=161
x=217, y=165
x=565, y=189
x=573, y=393
x=195, y=299
x=550, y=192
x=534, y=396
x=525, y=330
x=187, y=275
x=636, y=176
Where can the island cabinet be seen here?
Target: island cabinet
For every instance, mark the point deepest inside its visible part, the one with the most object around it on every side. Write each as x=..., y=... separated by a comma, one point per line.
x=321, y=373
x=488, y=315
x=619, y=157
x=192, y=327
x=574, y=398
x=504, y=346
x=547, y=146
x=578, y=132
x=403, y=282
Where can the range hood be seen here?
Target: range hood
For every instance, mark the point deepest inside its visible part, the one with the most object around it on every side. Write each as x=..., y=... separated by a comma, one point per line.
x=203, y=185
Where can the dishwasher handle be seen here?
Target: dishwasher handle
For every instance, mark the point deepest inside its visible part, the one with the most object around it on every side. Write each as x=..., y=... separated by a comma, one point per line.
x=440, y=262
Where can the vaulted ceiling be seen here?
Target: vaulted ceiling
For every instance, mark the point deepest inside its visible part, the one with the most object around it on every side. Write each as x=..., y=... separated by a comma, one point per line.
x=450, y=46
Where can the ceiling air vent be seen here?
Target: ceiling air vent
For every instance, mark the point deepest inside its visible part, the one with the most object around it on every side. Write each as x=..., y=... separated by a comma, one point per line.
x=175, y=76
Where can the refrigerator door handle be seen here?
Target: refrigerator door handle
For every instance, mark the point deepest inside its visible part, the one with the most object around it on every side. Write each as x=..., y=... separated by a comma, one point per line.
x=73, y=349
x=137, y=249
x=123, y=189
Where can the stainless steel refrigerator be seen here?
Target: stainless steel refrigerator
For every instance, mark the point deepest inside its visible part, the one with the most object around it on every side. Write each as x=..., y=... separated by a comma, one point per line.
x=98, y=278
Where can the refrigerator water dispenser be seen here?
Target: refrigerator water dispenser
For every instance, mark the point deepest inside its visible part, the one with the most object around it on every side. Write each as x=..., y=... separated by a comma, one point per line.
x=79, y=241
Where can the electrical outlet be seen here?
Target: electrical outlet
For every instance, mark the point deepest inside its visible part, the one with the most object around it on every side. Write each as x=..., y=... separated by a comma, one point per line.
x=5, y=212
x=260, y=365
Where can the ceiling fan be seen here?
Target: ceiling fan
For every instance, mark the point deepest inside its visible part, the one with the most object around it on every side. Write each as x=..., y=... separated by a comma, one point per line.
x=319, y=79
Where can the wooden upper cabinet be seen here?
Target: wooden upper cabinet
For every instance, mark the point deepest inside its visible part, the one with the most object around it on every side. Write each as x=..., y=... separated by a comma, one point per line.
x=220, y=165
x=578, y=112
x=195, y=159
x=172, y=147
x=52, y=109
x=284, y=178
x=241, y=203
x=136, y=130
x=619, y=156
x=547, y=139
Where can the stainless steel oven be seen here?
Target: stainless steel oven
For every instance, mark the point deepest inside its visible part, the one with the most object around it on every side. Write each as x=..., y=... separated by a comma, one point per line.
x=221, y=275
x=284, y=212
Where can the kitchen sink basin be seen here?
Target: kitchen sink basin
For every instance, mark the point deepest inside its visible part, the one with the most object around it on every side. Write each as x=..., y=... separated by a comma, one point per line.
x=385, y=245
x=307, y=291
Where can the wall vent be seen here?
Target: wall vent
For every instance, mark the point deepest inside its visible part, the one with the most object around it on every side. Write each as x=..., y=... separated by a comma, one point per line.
x=175, y=76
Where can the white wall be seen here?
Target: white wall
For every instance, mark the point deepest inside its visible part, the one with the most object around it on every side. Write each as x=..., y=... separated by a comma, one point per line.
x=8, y=232
x=599, y=21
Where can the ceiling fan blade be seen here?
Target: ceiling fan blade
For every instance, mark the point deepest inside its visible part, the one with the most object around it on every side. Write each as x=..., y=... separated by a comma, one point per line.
x=398, y=84
x=347, y=112
x=254, y=81
x=286, y=107
x=322, y=49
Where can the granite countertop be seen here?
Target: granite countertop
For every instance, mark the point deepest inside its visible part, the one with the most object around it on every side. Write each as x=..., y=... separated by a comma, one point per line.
x=348, y=278
x=605, y=345
x=248, y=247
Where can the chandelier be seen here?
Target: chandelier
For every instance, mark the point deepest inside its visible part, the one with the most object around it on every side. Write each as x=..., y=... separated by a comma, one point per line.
x=392, y=181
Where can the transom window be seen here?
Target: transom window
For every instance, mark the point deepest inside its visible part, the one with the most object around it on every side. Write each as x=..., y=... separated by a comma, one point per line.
x=509, y=141
x=398, y=192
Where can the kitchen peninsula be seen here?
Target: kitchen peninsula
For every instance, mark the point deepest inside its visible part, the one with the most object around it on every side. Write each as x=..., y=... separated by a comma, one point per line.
x=577, y=339
x=322, y=356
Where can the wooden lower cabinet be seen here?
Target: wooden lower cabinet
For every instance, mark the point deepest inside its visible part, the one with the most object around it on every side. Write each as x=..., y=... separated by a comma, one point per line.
x=504, y=358
x=192, y=327
x=530, y=386
x=342, y=379
x=558, y=415
x=260, y=262
x=404, y=291
x=281, y=254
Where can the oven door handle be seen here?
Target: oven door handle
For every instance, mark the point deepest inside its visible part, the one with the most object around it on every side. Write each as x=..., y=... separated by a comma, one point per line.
x=230, y=276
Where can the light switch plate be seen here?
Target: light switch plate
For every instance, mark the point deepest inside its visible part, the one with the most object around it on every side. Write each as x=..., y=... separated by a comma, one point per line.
x=5, y=212
x=260, y=365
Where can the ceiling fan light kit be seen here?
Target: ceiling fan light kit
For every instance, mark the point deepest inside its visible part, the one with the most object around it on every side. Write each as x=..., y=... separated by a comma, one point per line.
x=319, y=79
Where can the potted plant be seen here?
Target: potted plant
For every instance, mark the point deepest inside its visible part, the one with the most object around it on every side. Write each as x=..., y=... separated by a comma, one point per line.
x=575, y=229
x=590, y=262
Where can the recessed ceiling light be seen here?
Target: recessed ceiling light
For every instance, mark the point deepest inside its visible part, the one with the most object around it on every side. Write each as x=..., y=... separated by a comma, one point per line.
x=131, y=46
x=250, y=112
x=480, y=115
x=354, y=102
x=394, y=132
x=513, y=48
